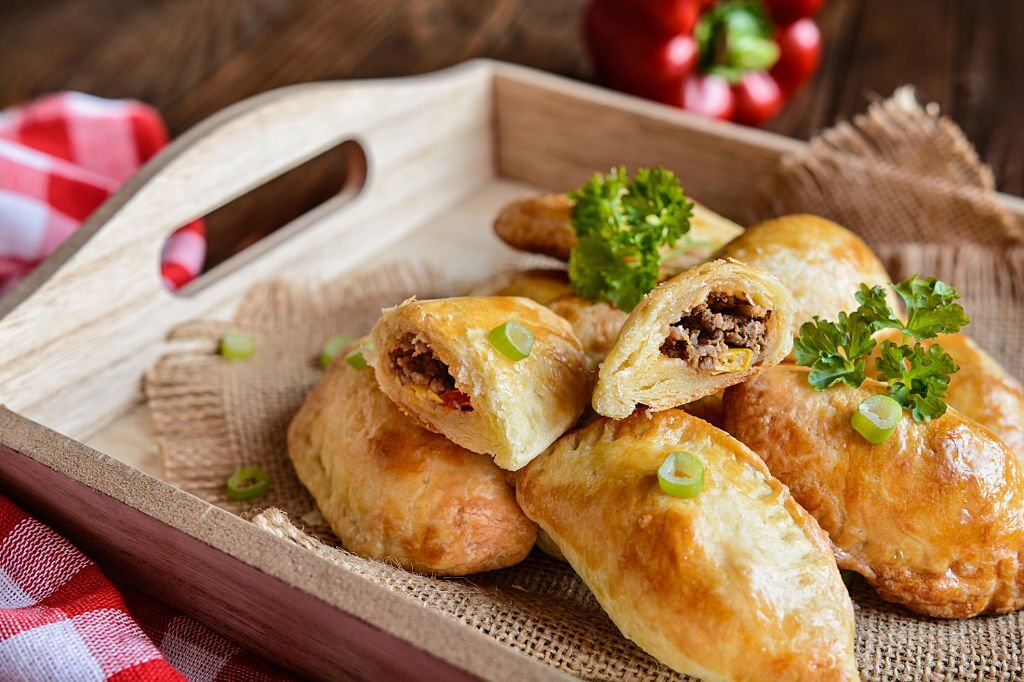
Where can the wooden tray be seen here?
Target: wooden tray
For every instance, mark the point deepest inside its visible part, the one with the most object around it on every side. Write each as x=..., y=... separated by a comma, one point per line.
x=442, y=153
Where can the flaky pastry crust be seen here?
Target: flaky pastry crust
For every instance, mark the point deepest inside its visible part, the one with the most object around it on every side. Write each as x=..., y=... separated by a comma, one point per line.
x=821, y=263
x=392, y=490
x=933, y=517
x=636, y=371
x=518, y=407
x=540, y=285
x=737, y=583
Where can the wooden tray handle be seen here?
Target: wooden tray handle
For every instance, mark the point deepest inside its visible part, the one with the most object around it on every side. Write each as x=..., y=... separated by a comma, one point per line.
x=99, y=302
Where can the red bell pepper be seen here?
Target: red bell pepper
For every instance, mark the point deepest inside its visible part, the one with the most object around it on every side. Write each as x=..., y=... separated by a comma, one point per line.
x=456, y=399
x=799, y=54
x=733, y=60
x=708, y=95
x=641, y=63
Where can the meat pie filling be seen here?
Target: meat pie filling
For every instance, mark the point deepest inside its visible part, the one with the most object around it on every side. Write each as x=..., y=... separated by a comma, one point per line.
x=721, y=323
x=416, y=365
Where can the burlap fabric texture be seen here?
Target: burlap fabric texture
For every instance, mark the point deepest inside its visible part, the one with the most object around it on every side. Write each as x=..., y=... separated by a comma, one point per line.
x=908, y=181
x=902, y=176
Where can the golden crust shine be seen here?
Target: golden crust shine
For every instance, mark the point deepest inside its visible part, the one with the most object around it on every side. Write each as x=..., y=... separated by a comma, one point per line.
x=735, y=583
x=822, y=264
x=933, y=517
x=519, y=408
x=392, y=490
x=637, y=372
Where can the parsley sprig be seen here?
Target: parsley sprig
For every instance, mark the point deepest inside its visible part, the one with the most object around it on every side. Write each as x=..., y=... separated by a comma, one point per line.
x=932, y=307
x=835, y=351
x=917, y=377
x=621, y=225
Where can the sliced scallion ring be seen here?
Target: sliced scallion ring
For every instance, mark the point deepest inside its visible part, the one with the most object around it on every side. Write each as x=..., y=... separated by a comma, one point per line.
x=512, y=339
x=237, y=346
x=248, y=483
x=876, y=418
x=356, y=359
x=681, y=475
x=331, y=349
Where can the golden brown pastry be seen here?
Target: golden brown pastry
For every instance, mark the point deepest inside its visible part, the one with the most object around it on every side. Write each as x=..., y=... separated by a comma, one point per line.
x=933, y=517
x=542, y=286
x=708, y=408
x=543, y=224
x=595, y=324
x=434, y=359
x=821, y=263
x=708, y=233
x=539, y=224
x=981, y=390
x=548, y=546
x=735, y=583
x=395, y=491
x=713, y=326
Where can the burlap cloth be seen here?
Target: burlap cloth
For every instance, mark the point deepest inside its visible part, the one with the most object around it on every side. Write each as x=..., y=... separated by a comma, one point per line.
x=902, y=176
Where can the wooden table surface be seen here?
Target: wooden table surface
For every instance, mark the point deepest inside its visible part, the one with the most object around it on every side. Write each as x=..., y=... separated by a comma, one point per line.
x=191, y=58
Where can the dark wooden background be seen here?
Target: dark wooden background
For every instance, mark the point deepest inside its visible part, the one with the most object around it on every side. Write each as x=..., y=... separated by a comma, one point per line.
x=191, y=58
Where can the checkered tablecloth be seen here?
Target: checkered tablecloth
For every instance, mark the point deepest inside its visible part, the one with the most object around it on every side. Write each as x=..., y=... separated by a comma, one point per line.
x=62, y=619
x=61, y=156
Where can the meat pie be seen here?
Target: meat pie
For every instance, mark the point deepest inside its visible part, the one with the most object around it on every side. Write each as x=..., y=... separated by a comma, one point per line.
x=543, y=224
x=933, y=517
x=439, y=363
x=821, y=263
x=713, y=326
x=395, y=491
x=733, y=582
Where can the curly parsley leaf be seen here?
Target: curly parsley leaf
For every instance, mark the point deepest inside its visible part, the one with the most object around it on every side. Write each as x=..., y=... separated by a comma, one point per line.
x=598, y=203
x=656, y=201
x=875, y=308
x=931, y=307
x=599, y=269
x=835, y=351
x=917, y=378
x=620, y=227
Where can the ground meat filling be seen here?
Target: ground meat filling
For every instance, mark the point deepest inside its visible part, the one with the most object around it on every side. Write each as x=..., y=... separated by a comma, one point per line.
x=416, y=364
x=721, y=322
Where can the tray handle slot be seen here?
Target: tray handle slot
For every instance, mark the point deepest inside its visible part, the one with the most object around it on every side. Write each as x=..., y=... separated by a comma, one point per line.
x=78, y=333
x=346, y=166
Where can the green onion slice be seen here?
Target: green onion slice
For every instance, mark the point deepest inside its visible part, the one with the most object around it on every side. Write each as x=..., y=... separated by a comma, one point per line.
x=356, y=359
x=876, y=418
x=247, y=483
x=331, y=349
x=237, y=346
x=681, y=475
x=513, y=340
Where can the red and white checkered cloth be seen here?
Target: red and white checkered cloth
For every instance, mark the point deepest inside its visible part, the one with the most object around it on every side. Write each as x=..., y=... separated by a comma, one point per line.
x=61, y=619
x=61, y=156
